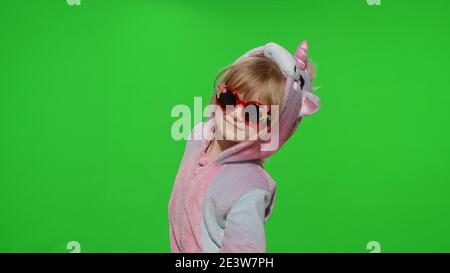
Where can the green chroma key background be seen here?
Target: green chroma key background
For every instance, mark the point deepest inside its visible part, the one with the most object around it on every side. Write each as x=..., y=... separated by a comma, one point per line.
x=86, y=94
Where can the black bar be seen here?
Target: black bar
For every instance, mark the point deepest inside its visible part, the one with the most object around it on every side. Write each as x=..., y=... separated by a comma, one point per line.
x=273, y=262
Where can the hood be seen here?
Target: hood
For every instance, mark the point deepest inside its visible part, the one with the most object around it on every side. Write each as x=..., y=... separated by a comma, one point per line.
x=298, y=102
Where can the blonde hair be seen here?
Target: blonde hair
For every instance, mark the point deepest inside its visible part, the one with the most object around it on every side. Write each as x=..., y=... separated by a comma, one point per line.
x=254, y=78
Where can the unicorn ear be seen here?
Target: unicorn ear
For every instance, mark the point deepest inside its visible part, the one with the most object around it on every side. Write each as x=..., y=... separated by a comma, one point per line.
x=310, y=104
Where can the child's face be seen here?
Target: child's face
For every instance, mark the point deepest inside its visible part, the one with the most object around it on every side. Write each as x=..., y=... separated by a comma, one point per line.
x=239, y=123
x=231, y=126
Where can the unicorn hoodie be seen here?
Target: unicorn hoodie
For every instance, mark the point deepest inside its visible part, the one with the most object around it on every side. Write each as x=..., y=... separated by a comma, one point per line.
x=221, y=205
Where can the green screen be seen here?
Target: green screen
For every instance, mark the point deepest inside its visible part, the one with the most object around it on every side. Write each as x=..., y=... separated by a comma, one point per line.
x=86, y=92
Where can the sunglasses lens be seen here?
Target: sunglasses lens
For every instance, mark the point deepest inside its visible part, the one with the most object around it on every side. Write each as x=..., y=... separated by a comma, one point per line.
x=251, y=113
x=227, y=99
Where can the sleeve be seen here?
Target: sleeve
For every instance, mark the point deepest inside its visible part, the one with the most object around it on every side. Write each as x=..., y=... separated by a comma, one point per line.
x=193, y=143
x=244, y=225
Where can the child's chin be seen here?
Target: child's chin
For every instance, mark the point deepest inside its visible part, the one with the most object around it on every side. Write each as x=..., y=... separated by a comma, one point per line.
x=241, y=138
x=231, y=138
x=235, y=135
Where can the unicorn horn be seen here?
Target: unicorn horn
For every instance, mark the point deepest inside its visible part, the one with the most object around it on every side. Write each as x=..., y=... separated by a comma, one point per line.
x=301, y=55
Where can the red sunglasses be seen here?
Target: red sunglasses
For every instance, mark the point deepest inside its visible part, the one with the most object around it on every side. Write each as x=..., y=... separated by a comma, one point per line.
x=228, y=98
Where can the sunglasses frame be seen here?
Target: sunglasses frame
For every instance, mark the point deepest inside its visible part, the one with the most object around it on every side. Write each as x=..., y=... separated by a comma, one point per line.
x=223, y=89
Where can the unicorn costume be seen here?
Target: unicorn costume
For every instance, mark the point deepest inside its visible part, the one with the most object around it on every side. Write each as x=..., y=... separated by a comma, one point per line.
x=221, y=205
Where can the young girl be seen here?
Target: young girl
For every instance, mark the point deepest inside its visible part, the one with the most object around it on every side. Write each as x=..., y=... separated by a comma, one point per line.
x=222, y=195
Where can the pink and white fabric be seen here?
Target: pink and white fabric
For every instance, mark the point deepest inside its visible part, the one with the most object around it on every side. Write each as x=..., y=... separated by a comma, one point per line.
x=221, y=205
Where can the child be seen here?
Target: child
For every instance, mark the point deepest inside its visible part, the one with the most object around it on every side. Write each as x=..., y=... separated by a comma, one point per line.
x=222, y=195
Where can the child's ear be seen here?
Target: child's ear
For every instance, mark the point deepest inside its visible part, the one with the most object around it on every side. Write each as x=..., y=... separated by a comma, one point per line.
x=310, y=104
